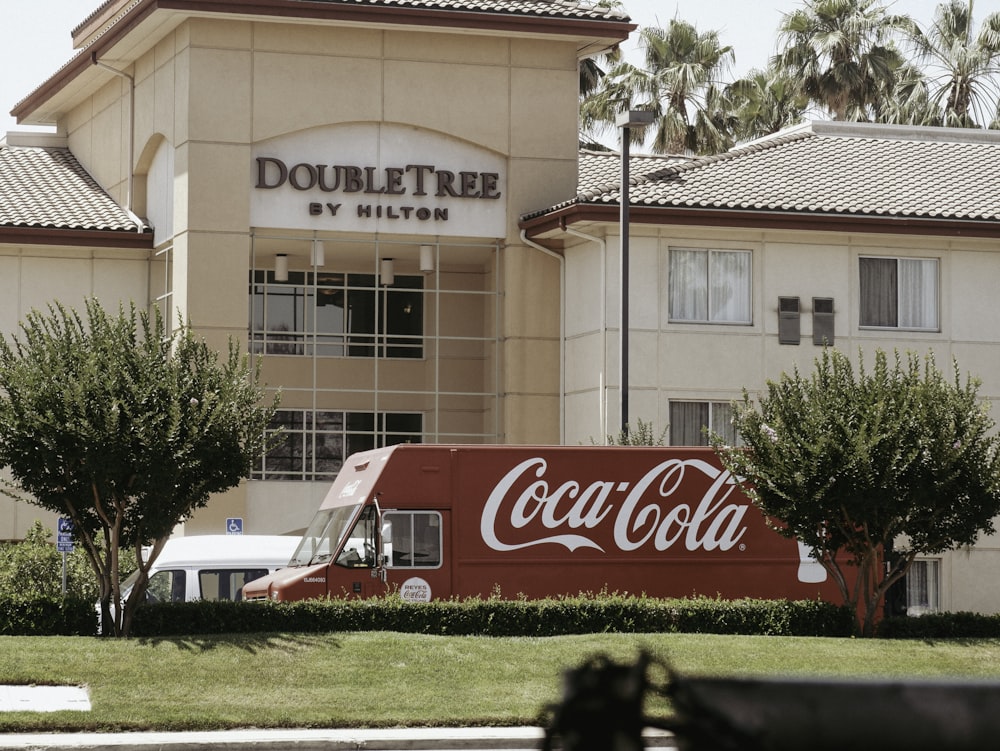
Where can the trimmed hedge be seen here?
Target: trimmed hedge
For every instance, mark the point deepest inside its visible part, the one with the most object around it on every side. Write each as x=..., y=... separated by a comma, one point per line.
x=941, y=626
x=58, y=616
x=495, y=617
x=47, y=616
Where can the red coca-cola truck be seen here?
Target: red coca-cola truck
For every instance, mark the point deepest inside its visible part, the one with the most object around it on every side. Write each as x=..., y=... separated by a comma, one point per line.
x=438, y=521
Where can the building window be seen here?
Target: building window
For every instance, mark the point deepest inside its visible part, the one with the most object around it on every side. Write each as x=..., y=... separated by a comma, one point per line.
x=710, y=286
x=308, y=445
x=692, y=422
x=416, y=538
x=336, y=315
x=922, y=587
x=899, y=293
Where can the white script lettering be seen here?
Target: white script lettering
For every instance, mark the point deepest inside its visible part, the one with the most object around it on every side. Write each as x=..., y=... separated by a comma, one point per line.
x=707, y=523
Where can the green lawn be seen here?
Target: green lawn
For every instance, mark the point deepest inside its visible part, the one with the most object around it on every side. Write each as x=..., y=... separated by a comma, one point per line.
x=390, y=679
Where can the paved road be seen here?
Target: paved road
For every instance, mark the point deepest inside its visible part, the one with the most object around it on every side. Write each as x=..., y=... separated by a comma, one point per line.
x=392, y=739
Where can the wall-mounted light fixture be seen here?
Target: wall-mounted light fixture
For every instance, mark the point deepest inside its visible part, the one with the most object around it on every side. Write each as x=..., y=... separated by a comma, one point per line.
x=387, y=271
x=427, y=259
x=281, y=267
x=318, y=254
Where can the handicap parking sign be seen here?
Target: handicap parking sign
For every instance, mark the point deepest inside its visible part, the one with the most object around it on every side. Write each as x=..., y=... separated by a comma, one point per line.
x=234, y=526
x=64, y=535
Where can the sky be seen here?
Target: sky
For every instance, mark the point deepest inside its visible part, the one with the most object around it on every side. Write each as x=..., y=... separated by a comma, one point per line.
x=35, y=34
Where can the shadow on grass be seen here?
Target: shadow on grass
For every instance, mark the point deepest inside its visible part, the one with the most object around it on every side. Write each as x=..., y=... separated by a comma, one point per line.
x=251, y=643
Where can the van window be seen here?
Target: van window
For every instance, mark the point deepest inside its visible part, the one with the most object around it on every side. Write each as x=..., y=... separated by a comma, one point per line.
x=416, y=538
x=227, y=583
x=169, y=585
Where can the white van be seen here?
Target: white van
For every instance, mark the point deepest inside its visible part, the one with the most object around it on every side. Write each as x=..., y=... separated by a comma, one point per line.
x=213, y=567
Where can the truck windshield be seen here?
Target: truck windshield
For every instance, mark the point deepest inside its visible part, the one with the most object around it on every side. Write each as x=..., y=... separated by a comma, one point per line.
x=322, y=535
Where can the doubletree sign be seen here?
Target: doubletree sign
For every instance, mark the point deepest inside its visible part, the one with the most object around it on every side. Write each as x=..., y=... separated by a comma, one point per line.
x=410, y=180
x=460, y=194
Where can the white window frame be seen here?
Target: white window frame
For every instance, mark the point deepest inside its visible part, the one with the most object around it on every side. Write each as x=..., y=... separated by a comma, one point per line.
x=706, y=308
x=713, y=406
x=396, y=516
x=905, y=312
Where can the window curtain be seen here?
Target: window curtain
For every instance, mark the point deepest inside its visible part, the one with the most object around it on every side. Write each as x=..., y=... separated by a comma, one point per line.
x=879, y=293
x=922, y=588
x=688, y=287
x=691, y=421
x=709, y=285
x=687, y=423
x=729, y=293
x=918, y=293
x=722, y=422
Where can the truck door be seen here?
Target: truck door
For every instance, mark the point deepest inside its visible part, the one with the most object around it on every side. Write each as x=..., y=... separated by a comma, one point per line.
x=355, y=571
x=414, y=553
x=393, y=551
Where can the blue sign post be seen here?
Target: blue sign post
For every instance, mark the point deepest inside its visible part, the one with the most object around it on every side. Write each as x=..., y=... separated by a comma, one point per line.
x=64, y=543
x=64, y=535
x=234, y=526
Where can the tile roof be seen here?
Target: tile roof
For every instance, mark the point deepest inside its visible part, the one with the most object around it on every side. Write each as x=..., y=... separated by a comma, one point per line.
x=600, y=171
x=578, y=9
x=826, y=168
x=538, y=8
x=47, y=188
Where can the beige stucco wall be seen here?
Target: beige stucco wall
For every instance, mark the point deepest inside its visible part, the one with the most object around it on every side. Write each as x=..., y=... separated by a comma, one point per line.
x=714, y=362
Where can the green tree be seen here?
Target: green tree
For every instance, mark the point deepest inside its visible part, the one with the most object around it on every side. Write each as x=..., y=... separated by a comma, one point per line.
x=911, y=103
x=854, y=464
x=592, y=73
x=843, y=54
x=764, y=102
x=680, y=83
x=124, y=428
x=961, y=66
x=643, y=434
x=33, y=567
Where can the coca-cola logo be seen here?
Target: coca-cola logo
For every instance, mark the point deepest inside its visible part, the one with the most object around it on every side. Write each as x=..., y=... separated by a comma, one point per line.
x=657, y=511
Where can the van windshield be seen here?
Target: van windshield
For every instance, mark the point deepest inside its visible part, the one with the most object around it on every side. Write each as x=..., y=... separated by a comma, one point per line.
x=323, y=534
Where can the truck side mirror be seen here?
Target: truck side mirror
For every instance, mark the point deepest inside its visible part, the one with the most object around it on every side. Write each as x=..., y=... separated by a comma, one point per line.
x=386, y=543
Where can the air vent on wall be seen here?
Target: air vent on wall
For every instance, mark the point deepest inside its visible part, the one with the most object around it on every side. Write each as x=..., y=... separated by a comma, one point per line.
x=823, y=321
x=788, y=320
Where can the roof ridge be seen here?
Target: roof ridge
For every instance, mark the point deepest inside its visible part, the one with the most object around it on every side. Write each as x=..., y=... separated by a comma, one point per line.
x=611, y=187
x=767, y=143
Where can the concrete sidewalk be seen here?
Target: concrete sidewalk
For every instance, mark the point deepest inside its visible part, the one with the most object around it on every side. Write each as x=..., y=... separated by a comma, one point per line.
x=389, y=739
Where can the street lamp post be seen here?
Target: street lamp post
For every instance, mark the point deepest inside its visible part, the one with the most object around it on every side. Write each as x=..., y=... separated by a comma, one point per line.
x=626, y=121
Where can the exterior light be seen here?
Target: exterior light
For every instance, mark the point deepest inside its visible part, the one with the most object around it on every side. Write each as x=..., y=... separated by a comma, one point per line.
x=281, y=267
x=318, y=254
x=427, y=259
x=387, y=271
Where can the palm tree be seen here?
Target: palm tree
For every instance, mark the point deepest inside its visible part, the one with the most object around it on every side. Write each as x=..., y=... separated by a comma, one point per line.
x=679, y=83
x=592, y=77
x=843, y=54
x=764, y=102
x=911, y=101
x=962, y=67
x=592, y=73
